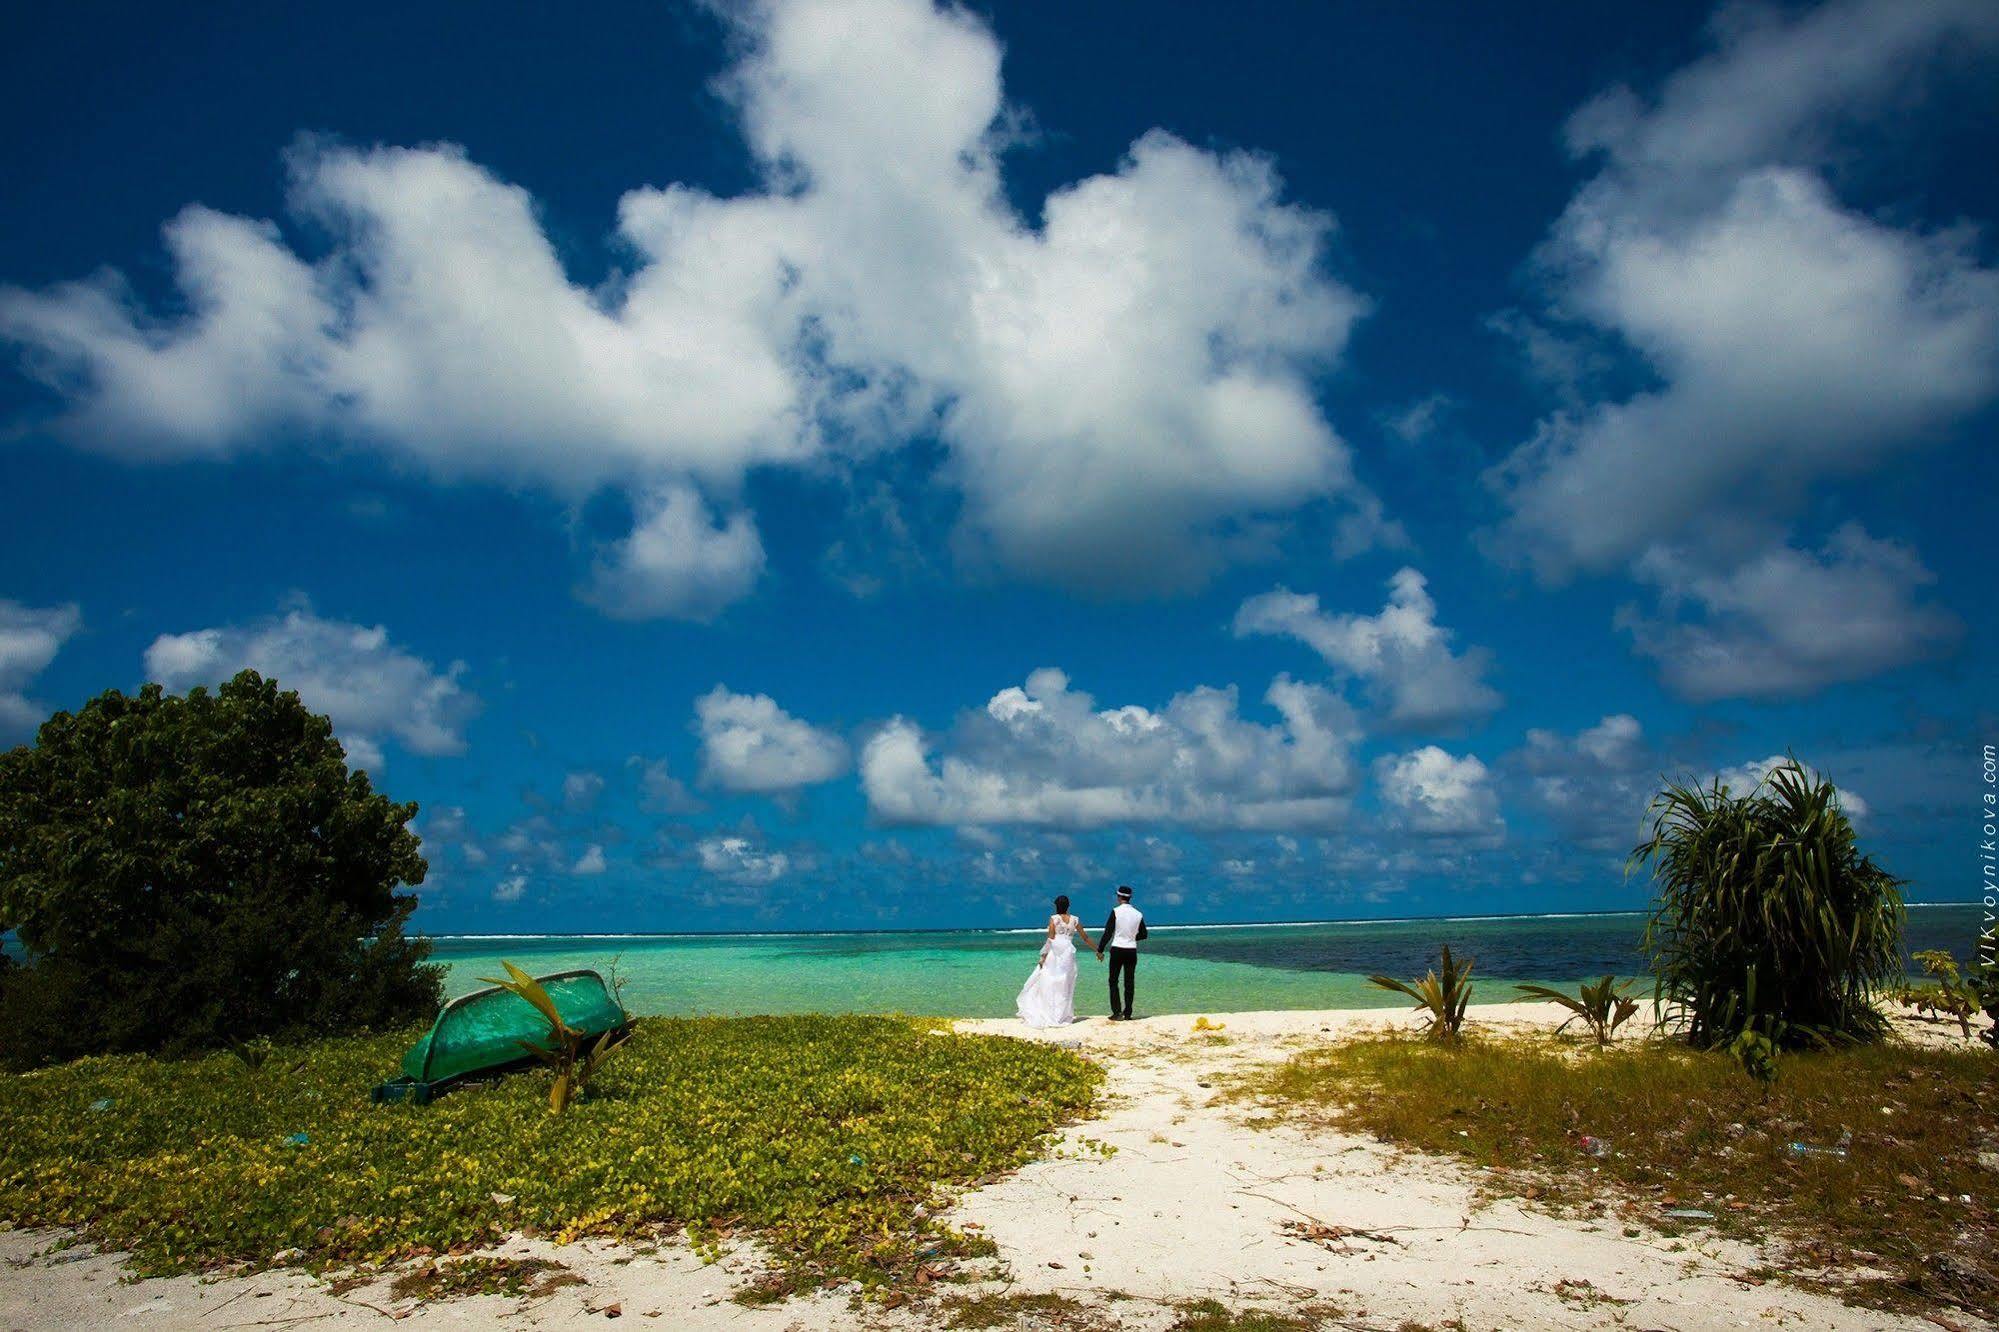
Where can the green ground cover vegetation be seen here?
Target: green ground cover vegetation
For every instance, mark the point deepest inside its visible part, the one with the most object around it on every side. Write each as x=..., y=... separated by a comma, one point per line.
x=829, y=1138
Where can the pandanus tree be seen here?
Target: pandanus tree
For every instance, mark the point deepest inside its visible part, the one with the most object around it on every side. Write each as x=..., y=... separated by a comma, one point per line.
x=1767, y=917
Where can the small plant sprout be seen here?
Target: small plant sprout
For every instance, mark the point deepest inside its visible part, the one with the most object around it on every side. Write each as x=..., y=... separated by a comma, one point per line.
x=1949, y=993
x=564, y=1052
x=1757, y=1054
x=1443, y=993
x=1602, y=1007
x=1984, y=985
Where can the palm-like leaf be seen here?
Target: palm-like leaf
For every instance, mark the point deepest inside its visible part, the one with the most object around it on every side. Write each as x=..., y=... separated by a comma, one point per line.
x=1603, y=1007
x=563, y=1049
x=527, y=987
x=603, y=1049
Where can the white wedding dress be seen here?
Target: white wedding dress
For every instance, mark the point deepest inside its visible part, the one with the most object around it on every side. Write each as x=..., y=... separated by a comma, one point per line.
x=1049, y=997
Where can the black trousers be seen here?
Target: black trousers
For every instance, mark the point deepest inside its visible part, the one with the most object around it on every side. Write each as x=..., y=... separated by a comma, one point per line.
x=1123, y=961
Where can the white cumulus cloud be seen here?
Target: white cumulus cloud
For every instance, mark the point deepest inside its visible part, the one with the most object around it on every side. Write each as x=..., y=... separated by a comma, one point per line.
x=1402, y=653
x=676, y=561
x=30, y=637
x=749, y=743
x=1436, y=793
x=1046, y=754
x=371, y=688
x=580, y=789
x=741, y=861
x=660, y=792
x=1594, y=785
x=1743, y=778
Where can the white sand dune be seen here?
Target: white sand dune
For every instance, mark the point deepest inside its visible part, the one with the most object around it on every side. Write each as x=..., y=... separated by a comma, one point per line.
x=1194, y=1203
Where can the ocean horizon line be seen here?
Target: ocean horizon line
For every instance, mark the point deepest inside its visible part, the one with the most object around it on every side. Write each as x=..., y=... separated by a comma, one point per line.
x=1015, y=929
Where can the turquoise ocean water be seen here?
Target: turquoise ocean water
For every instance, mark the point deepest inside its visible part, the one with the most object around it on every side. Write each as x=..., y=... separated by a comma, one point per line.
x=1187, y=969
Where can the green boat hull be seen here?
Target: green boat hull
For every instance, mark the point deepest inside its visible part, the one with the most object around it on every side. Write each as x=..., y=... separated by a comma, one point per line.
x=489, y=1030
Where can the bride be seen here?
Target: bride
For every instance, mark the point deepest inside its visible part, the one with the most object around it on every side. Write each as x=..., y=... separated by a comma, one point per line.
x=1049, y=997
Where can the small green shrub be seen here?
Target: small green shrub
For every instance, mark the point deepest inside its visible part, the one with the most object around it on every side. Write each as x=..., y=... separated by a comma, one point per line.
x=1984, y=982
x=1213, y=1316
x=1013, y=1310
x=1949, y=992
x=1756, y=1054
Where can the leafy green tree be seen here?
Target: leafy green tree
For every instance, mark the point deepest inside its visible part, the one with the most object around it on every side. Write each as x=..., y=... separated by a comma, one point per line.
x=184, y=871
x=1768, y=917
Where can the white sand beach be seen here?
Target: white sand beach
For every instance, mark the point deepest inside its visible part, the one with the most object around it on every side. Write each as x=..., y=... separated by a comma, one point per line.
x=1197, y=1201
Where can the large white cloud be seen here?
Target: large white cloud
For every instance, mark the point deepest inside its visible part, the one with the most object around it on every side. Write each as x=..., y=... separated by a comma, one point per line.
x=371, y=688
x=439, y=324
x=30, y=637
x=749, y=743
x=1121, y=390
x=1787, y=622
x=1402, y=654
x=1436, y=793
x=1046, y=754
x=1793, y=337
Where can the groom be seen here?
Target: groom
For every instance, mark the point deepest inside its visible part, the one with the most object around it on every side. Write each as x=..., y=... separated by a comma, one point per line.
x=1122, y=932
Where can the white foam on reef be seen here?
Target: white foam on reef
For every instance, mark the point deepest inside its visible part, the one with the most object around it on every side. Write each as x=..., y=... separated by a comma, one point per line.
x=1004, y=929
x=1007, y=929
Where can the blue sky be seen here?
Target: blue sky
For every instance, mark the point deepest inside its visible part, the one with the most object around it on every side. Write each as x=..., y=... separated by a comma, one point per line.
x=865, y=464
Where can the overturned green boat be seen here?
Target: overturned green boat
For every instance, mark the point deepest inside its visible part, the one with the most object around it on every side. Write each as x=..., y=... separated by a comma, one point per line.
x=490, y=1030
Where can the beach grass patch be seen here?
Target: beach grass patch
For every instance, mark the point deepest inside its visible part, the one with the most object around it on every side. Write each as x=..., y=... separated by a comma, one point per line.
x=1863, y=1163
x=833, y=1140
x=531, y=1277
x=1214, y=1316
x=1010, y=1310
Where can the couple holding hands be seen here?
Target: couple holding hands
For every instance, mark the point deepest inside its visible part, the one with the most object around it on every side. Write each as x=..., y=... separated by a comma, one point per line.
x=1049, y=997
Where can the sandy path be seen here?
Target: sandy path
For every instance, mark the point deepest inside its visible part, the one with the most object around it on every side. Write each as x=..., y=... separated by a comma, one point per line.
x=1195, y=1201
x=1192, y=1204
